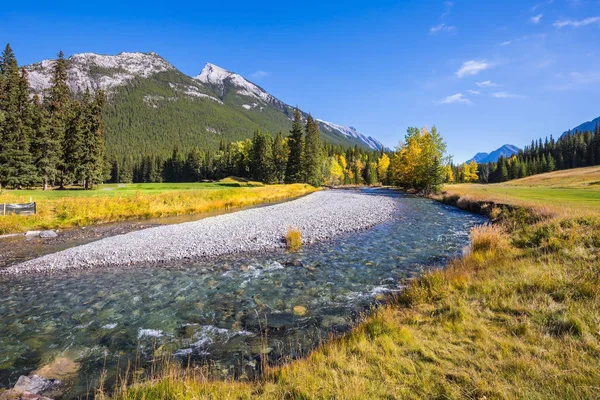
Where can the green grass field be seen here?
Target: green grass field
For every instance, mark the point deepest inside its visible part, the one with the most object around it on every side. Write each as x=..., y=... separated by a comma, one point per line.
x=517, y=317
x=111, y=203
x=575, y=190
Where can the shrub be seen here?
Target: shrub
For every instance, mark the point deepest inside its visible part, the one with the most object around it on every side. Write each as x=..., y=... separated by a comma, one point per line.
x=293, y=239
x=488, y=238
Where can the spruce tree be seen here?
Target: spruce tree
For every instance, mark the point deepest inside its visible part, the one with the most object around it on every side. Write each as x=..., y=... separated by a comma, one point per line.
x=295, y=172
x=92, y=152
x=57, y=102
x=16, y=163
x=43, y=146
x=261, y=158
x=312, y=153
x=74, y=150
x=280, y=157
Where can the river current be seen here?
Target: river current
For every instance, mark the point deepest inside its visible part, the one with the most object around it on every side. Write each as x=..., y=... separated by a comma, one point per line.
x=225, y=312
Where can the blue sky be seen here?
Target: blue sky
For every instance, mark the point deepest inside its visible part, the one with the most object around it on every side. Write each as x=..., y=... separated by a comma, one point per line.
x=485, y=72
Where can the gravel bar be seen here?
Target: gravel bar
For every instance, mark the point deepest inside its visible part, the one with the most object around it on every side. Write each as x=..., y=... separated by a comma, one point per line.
x=319, y=216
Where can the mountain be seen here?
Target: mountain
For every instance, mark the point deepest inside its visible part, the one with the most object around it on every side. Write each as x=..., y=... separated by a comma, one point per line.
x=505, y=151
x=152, y=106
x=586, y=126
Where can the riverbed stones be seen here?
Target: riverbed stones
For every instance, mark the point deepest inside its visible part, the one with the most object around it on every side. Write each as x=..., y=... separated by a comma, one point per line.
x=319, y=216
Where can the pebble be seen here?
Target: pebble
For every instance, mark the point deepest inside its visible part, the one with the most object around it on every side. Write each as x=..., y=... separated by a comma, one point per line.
x=319, y=216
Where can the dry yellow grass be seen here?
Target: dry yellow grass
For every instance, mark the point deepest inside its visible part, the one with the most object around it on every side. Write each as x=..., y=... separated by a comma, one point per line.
x=77, y=208
x=293, y=239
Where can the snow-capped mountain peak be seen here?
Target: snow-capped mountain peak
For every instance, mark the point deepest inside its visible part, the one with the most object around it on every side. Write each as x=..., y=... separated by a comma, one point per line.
x=98, y=71
x=350, y=131
x=214, y=75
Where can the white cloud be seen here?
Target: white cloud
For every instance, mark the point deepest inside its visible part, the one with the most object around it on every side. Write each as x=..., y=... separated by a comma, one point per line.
x=486, y=84
x=475, y=92
x=260, y=74
x=576, y=24
x=456, y=98
x=442, y=28
x=505, y=43
x=472, y=67
x=536, y=19
x=506, y=95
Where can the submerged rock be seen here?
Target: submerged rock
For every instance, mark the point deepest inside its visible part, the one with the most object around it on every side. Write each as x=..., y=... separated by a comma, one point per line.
x=60, y=368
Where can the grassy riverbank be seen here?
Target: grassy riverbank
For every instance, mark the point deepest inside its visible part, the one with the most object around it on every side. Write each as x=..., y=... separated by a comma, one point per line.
x=111, y=203
x=518, y=317
x=574, y=190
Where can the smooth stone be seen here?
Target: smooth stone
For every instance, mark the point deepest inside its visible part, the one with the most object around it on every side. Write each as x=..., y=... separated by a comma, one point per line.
x=48, y=234
x=32, y=233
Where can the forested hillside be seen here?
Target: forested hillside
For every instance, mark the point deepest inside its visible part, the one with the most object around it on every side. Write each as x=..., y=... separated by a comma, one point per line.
x=153, y=107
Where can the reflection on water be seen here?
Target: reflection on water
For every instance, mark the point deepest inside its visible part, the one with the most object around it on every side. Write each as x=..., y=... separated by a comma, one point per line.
x=216, y=310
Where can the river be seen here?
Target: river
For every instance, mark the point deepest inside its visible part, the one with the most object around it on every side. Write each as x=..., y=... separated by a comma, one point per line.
x=221, y=310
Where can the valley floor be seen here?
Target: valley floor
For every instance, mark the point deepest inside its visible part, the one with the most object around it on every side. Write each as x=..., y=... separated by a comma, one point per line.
x=516, y=317
x=112, y=203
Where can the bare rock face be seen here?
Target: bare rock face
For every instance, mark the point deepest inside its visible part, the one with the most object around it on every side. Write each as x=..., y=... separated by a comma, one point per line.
x=96, y=71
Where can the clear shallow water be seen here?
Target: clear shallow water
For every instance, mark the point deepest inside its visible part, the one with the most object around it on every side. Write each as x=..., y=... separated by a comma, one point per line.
x=216, y=310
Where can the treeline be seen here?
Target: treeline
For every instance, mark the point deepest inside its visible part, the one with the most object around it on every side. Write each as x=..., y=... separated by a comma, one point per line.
x=573, y=150
x=301, y=157
x=54, y=141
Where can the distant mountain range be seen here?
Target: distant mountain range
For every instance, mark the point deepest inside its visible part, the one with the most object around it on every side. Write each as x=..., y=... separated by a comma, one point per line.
x=586, y=126
x=152, y=106
x=505, y=151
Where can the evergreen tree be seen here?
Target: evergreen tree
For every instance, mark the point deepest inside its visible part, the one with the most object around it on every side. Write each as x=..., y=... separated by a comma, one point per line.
x=74, y=143
x=43, y=148
x=280, y=158
x=92, y=151
x=57, y=102
x=261, y=158
x=312, y=153
x=294, y=171
x=16, y=163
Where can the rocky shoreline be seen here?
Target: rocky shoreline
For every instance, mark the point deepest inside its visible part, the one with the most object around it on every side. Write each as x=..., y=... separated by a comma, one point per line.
x=319, y=216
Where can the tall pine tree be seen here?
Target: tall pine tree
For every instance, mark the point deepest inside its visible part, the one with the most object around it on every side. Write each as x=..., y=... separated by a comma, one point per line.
x=280, y=157
x=16, y=163
x=312, y=153
x=295, y=172
x=57, y=102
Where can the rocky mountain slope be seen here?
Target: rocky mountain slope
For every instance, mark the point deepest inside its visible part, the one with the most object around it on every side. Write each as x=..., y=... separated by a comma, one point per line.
x=153, y=106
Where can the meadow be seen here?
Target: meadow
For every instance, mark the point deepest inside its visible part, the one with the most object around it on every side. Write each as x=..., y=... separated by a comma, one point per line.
x=574, y=189
x=112, y=203
x=517, y=316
